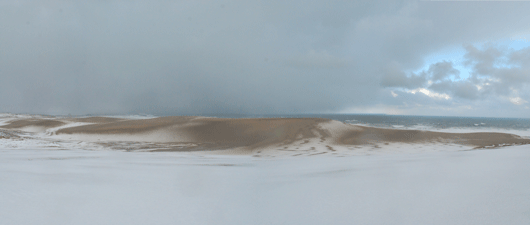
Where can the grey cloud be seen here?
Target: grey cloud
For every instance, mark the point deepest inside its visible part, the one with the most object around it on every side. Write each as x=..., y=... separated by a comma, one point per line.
x=184, y=57
x=521, y=57
x=443, y=70
x=314, y=59
x=465, y=89
x=395, y=77
x=483, y=61
x=495, y=71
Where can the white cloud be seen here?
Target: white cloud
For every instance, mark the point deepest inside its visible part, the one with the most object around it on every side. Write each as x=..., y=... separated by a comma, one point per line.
x=517, y=101
x=429, y=93
x=376, y=109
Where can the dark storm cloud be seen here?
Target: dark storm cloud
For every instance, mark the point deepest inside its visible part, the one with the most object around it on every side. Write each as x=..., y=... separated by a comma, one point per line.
x=243, y=56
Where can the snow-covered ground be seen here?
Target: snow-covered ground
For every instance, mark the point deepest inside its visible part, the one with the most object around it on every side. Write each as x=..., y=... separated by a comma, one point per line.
x=46, y=179
x=53, y=186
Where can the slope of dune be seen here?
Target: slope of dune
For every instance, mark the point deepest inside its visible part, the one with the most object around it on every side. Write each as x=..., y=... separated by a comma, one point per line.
x=45, y=123
x=482, y=139
x=308, y=136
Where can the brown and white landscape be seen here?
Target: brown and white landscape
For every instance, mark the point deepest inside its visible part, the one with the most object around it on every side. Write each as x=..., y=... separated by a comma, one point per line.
x=265, y=112
x=200, y=170
x=248, y=136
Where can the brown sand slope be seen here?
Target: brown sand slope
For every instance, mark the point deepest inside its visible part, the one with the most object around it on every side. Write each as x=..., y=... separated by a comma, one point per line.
x=254, y=133
x=97, y=119
x=368, y=135
x=123, y=126
x=221, y=133
x=46, y=123
x=227, y=133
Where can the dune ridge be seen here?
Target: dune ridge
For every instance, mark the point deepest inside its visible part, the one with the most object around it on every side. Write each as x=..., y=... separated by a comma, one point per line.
x=250, y=136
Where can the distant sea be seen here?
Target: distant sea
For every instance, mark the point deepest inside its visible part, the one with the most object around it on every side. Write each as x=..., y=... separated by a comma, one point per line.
x=410, y=122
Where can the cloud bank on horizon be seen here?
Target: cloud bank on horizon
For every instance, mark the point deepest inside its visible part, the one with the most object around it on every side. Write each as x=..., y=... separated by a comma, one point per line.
x=202, y=57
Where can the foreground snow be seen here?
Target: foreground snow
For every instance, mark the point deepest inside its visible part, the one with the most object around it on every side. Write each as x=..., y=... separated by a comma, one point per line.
x=112, y=187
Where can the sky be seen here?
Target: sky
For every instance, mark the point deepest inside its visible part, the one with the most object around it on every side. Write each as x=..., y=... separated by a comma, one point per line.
x=443, y=58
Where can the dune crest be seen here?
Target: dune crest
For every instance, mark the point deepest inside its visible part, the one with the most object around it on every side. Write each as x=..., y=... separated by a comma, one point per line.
x=246, y=136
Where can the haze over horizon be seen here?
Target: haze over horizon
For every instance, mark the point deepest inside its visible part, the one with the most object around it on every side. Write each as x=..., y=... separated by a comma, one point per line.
x=442, y=58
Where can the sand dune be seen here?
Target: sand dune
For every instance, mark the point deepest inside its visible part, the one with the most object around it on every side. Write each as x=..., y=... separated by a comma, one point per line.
x=313, y=135
x=124, y=126
x=97, y=119
x=483, y=139
x=212, y=133
x=45, y=123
